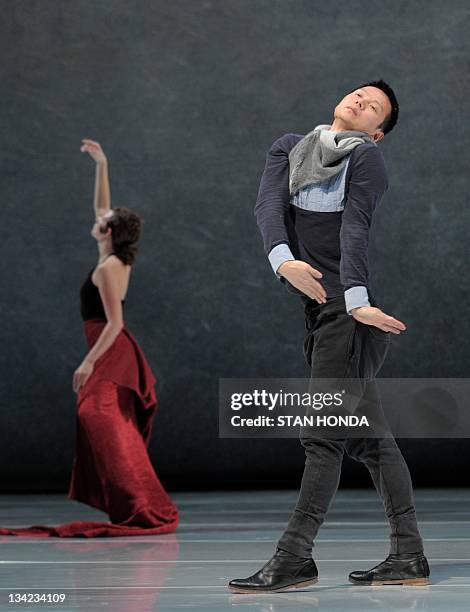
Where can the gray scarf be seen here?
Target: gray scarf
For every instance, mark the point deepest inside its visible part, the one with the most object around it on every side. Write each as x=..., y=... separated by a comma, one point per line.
x=320, y=155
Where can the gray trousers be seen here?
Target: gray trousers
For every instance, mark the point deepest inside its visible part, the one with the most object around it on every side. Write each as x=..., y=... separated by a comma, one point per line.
x=338, y=346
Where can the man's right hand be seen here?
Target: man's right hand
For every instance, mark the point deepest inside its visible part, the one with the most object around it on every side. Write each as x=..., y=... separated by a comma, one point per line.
x=303, y=277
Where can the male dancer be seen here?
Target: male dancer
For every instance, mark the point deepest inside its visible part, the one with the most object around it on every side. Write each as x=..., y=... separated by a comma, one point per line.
x=314, y=209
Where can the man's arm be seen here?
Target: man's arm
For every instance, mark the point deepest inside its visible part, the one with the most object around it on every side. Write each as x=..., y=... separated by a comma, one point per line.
x=273, y=201
x=271, y=207
x=367, y=185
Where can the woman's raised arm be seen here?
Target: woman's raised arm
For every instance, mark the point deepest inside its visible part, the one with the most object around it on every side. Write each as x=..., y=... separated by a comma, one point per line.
x=102, y=199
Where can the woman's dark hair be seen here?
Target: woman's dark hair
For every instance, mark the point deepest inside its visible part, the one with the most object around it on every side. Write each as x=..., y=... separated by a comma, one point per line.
x=389, y=122
x=125, y=232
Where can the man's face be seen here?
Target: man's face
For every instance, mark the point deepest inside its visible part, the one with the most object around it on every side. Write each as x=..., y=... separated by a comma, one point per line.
x=364, y=109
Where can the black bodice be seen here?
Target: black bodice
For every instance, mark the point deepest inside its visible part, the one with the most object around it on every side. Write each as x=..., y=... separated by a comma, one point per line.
x=91, y=306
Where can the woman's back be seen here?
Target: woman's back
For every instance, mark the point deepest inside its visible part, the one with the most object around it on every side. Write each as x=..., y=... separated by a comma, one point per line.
x=91, y=304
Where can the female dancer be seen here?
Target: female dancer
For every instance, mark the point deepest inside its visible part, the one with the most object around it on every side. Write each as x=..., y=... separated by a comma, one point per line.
x=116, y=399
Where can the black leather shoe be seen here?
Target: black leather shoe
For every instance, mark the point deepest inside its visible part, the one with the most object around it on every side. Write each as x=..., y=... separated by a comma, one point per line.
x=282, y=572
x=411, y=569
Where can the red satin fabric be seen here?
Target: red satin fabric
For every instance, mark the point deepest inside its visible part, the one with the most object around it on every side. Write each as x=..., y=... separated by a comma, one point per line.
x=112, y=470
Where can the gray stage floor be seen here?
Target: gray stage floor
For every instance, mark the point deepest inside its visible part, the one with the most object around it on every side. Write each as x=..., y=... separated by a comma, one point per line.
x=229, y=535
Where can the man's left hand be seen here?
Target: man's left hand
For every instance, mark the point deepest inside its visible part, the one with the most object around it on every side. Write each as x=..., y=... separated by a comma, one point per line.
x=370, y=315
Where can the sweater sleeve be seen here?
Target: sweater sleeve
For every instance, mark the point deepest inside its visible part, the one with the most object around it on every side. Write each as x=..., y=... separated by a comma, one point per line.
x=272, y=202
x=367, y=184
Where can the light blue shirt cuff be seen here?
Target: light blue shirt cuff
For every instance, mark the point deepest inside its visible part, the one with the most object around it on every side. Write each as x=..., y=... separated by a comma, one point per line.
x=355, y=297
x=278, y=255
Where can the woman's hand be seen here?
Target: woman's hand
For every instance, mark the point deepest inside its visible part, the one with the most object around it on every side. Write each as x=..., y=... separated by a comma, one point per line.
x=82, y=374
x=94, y=149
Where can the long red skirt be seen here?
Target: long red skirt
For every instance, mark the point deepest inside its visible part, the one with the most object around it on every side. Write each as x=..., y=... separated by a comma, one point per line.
x=112, y=470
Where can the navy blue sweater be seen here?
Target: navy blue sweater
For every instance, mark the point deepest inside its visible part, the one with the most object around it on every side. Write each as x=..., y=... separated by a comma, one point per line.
x=335, y=243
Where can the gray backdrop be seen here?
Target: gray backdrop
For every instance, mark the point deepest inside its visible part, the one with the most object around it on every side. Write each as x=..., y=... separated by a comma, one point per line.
x=186, y=97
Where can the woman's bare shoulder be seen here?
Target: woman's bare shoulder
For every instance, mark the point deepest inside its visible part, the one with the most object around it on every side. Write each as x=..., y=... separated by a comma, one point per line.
x=113, y=262
x=110, y=267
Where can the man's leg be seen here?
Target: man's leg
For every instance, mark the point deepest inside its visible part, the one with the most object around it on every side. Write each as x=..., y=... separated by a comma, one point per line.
x=338, y=347
x=392, y=479
x=320, y=480
x=327, y=347
x=406, y=563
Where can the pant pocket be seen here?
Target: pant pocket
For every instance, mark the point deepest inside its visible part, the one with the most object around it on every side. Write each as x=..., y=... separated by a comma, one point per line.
x=377, y=334
x=308, y=347
x=374, y=349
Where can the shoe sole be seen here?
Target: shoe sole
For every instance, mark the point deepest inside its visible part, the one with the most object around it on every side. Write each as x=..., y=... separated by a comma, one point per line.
x=298, y=585
x=406, y=582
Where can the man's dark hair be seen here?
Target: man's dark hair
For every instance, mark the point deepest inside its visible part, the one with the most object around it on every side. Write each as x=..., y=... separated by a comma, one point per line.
x=389, y=122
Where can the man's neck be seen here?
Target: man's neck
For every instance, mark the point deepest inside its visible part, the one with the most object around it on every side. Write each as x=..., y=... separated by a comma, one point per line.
x=338, y=126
